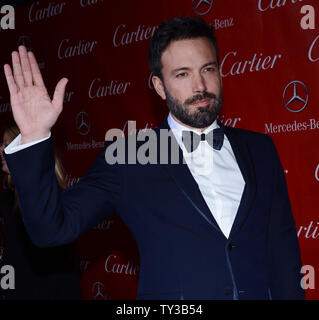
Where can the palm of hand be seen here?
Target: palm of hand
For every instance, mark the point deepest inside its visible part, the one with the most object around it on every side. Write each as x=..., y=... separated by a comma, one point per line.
x=33, y=110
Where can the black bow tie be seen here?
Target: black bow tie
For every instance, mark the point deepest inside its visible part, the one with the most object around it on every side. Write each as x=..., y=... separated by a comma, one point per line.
x=215, y=138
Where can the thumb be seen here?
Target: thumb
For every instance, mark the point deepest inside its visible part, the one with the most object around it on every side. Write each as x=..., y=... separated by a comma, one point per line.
x=58, y=95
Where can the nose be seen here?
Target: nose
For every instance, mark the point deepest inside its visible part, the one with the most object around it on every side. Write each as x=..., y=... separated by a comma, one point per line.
x=199, y=83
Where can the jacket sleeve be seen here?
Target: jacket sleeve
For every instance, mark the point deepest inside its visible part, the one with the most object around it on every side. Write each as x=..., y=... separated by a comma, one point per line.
x=53, y=217
x=284, y=252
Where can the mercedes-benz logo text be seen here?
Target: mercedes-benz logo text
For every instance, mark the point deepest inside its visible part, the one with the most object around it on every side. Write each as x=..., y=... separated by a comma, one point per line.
x=296, y=99
x=202, y=7
x=83, y=123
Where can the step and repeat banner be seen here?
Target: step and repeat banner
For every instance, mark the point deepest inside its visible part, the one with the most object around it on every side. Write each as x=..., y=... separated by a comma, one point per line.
x=269, y=62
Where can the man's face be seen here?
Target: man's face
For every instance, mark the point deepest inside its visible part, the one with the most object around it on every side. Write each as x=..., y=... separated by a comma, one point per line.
x=191, y=82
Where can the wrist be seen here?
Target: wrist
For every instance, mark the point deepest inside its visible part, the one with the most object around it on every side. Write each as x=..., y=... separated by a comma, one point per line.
x=27, y=138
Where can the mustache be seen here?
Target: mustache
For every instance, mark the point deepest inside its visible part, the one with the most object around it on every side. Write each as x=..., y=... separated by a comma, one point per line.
x=198, y=97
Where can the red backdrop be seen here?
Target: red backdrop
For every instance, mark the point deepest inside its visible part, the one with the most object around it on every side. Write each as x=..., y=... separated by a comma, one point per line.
x=270, y=69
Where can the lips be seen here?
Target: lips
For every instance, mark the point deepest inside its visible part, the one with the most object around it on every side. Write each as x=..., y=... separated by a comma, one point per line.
x=200, y=103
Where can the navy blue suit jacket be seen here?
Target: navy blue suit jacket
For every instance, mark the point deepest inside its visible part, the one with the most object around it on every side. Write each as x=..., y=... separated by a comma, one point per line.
x=183, y=253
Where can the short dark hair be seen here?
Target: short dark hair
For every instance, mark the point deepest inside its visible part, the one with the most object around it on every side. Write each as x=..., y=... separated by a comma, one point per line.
x=173, y=30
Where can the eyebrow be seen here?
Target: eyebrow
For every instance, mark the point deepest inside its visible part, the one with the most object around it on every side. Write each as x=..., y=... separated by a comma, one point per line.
x=214, y=63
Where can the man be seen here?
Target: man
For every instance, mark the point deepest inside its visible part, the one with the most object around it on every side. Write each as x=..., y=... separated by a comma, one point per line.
x=222, y=233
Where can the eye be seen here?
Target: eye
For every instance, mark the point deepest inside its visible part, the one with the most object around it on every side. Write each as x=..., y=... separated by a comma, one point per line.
x=209, y=69
x=181, y=75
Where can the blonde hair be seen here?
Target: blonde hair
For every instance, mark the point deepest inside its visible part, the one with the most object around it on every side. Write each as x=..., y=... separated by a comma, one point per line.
x=13, y=131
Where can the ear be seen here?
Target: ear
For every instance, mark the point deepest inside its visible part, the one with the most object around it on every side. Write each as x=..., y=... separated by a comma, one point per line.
x=159, y=87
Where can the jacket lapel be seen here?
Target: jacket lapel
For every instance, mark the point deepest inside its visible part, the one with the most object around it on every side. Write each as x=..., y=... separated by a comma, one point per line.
x=187, y=184
x=242, y=155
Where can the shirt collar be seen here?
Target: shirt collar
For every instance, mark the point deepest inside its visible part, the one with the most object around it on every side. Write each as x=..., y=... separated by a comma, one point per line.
x=178, y=128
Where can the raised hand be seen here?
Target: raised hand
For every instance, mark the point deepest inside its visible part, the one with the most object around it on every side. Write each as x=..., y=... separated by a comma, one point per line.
x=33, y=110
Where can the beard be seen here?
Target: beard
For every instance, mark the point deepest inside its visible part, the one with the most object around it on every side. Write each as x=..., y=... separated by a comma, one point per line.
x=201, y=117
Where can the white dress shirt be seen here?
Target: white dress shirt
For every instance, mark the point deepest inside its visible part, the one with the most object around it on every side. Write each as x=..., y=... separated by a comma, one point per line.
x=16, y=145
x=216, y=173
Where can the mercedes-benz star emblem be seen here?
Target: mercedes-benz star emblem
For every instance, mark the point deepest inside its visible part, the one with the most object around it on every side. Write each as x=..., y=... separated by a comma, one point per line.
x=98, y=291
x=296, y=98
x=202, y=7
x=83, y=123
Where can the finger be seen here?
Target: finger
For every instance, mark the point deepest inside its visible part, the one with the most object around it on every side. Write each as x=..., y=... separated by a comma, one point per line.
x=13, y=89
x=36, y=73
x=25, y=66
x=59, y=91
x=17, y=72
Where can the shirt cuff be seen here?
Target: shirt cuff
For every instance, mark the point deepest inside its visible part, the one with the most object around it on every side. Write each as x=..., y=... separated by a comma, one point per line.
x=16, y=145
